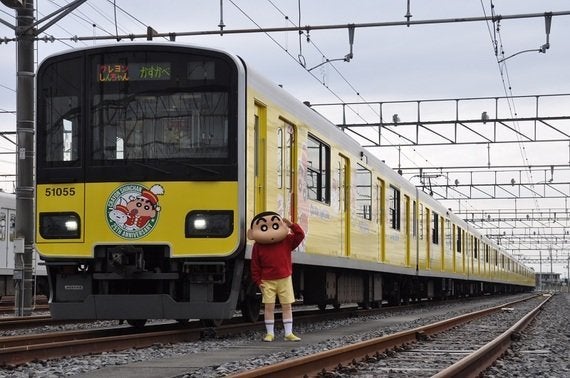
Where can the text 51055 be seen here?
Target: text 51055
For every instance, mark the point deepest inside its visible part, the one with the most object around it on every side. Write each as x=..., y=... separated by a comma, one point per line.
x=60, y=192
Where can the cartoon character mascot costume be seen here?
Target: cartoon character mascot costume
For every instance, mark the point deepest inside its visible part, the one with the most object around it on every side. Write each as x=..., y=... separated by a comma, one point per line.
x=271, y=266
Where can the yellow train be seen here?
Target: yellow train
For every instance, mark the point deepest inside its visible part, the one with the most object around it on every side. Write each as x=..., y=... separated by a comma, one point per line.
x=151, y=159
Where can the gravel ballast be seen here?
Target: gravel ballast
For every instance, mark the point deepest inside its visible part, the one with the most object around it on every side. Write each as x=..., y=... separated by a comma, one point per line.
x=551, y=333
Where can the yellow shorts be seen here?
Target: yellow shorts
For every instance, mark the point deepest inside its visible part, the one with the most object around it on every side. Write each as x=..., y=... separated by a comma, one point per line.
x=282, y=288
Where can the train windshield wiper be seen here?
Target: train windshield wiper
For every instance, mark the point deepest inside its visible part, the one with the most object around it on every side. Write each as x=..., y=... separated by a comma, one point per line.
x=140, y=164
x=199, y=167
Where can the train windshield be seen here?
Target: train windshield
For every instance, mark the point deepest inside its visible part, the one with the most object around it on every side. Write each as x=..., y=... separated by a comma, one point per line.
x=159, y=125
x=151, y=108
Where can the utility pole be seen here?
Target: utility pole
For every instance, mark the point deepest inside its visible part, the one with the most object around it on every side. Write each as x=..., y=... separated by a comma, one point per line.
x=551, y=268
x=24, y=228
x=26, y=33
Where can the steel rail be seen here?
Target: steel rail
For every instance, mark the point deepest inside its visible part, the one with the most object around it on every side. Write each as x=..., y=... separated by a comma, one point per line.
x=16, y=350
x=25, y=322
x=10, y=308
x=314, y=364
x=477, y=362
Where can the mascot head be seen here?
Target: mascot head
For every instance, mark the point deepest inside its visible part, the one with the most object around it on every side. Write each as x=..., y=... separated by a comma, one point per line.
x=267, y=228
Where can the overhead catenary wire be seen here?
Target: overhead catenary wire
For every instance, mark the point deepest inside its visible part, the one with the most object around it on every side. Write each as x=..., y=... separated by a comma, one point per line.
x=505, y=79
x=311, y=28
x=339, y=73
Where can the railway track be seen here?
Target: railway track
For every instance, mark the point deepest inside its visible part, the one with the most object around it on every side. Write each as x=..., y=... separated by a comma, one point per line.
x=7, y=304
x=18, y=322
x=17, y=350
x=463, y=346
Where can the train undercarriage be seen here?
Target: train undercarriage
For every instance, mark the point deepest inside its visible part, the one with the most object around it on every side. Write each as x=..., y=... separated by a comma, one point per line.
x=136, y=284
x=322, y=286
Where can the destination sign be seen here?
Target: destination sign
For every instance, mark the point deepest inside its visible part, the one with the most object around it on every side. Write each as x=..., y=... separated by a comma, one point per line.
x=133, y=72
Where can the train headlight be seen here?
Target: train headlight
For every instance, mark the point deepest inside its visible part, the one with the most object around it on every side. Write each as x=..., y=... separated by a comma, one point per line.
x=209, y=224
x=59, y=225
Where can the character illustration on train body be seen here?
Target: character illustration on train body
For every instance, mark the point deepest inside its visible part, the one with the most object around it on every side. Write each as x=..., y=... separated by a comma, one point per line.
x=134, y=209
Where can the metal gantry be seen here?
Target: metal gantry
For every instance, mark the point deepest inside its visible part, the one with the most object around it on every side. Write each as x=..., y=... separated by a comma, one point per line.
x=534, y=222
x=471, y=120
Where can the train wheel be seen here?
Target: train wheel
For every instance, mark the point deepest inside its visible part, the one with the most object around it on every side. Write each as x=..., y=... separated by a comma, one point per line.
x=322, y=306
x=212, y=322
x=137, y=323
x=336, y=306
x=250, y=308
x=251, y=304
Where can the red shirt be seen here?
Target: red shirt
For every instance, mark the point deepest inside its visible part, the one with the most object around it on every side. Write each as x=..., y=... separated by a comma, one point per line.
x=273, y=261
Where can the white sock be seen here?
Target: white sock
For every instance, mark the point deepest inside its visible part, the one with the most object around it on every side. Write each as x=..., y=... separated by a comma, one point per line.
x=269, y=326
x=288, y=325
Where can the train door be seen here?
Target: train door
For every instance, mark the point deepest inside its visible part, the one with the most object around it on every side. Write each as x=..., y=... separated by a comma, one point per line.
x=442, y=239
x=471, y=262
x=7, y=259
x=454, y=247
x=463, y=243
x=429, y=238
x=260, y=148
x=286, y=175
x=475, y=256
x=381, y=214
x=344, y=204
x=407, y=228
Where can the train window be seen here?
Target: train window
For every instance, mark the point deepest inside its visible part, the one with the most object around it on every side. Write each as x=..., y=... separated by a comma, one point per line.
x=363, y=192
x=160, y=126
x=435, y=228
x=256, y=145
x=279, y=158
x=414, y=219
x=285, y=140
x=448, y=235
x=3, y=226
x=12, y=232
x=59, y=113
x=64, y=132
x=475, y=248
x=394, y=208
x=459, y=235
x=289, y=156
x=421, y=222
x=318, y=170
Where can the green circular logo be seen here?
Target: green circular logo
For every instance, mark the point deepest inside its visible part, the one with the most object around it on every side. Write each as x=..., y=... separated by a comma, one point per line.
x=132, y=210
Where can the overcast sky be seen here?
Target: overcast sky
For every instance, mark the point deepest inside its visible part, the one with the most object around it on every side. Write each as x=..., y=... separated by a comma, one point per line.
x=433, y=61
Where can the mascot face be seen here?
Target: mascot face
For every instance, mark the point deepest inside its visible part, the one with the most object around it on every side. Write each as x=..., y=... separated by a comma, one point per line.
x=267, y=228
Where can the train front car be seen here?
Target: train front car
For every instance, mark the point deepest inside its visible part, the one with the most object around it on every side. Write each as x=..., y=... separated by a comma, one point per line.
x=140, y=172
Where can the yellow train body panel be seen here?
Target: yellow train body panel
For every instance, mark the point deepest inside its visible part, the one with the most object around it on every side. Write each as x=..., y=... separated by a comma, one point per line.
x=95, y=201
x=331, y=232
x=363, y=241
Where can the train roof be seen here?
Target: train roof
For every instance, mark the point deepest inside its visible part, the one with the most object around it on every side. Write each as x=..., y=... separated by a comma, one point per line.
x=318, y=122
